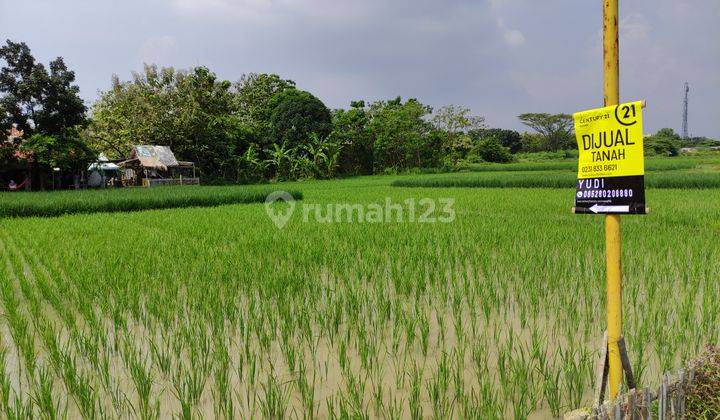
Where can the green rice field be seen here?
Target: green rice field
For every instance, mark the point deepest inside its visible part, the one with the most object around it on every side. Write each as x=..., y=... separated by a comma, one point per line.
x=58, y=203
x=215, y=312
x=553, y=179
x=651, y=164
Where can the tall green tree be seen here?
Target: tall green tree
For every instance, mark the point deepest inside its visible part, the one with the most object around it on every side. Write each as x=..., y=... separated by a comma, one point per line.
x=295, y=114
x=145, y=110
x=401, y=135
x=556, y=129
x=45, y=104
x=453, y=124
x=252, y=97
x=456, y=119
x=37, y=100
x=351, y=131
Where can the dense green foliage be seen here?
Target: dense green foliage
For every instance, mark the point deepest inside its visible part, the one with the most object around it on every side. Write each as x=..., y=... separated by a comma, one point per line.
x=490, y=149
x=44, y=104
x=48, y=204
x=253, y=93
x=350, y=129
x=295, y=115
x=454, y=125
x=668, y=143
x=664, y=142
x=215, y=313
x=509, y=139
x=401, y=136
x=37, y=100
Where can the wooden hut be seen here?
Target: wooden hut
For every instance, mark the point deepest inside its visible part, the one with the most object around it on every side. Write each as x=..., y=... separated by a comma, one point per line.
x=151, y=165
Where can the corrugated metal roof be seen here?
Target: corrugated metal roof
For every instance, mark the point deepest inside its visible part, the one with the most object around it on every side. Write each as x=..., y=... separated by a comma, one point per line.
x=150, y=156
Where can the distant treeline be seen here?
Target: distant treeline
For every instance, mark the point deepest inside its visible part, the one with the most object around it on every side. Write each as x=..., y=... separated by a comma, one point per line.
x=260, y=127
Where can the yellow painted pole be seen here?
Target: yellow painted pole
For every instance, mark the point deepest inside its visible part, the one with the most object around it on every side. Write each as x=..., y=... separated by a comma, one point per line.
x=614, y=301
x=612, y=221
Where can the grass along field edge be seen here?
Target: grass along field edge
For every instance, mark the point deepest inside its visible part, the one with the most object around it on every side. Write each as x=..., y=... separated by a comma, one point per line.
x=651, y=164
x=670, y=179
x=51, y=204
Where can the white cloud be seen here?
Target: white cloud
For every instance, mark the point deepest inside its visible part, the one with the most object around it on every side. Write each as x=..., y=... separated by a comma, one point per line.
x=512, y=37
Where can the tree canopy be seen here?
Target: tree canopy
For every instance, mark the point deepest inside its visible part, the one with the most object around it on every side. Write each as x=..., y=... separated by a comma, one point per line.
x=35, y=99
x=510, y=139
x=295, y=114
x=192, y=112
x=664, y=142
x=45, y=105
x=556, y=129
x=253, y=92
x=350, y=129
x=400, y=135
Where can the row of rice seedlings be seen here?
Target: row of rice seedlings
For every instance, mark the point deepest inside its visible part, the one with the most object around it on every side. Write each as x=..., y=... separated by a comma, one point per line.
x=29, y=371
x=281, y=328
x=436, y=393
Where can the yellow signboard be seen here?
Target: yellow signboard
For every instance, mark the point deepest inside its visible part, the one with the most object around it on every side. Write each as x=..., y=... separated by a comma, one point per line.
x=610, y=141
x=611, y=164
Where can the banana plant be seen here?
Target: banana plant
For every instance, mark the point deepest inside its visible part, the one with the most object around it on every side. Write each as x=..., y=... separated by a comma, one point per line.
x=251, y=165
x=324, y=155
x=280, y=158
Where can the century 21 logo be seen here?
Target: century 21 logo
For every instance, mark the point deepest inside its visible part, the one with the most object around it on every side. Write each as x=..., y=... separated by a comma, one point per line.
x=627, y=111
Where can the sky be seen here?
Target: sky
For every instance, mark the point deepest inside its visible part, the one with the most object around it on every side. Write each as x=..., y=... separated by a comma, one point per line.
x=500, y=58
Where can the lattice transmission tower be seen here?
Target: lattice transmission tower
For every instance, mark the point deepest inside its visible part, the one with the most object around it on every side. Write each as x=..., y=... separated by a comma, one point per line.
x=685, y=111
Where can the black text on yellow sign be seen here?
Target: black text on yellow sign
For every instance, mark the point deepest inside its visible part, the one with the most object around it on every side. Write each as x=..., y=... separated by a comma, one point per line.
x=611, y=162
x=610, y=141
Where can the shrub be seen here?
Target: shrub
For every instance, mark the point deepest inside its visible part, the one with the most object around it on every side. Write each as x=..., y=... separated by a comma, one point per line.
x=490, y=150
x=510, y=139
x=664, y=142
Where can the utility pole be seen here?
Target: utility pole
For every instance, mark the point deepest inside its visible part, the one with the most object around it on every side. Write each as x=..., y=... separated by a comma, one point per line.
x=686, y=89
x=611, y=64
